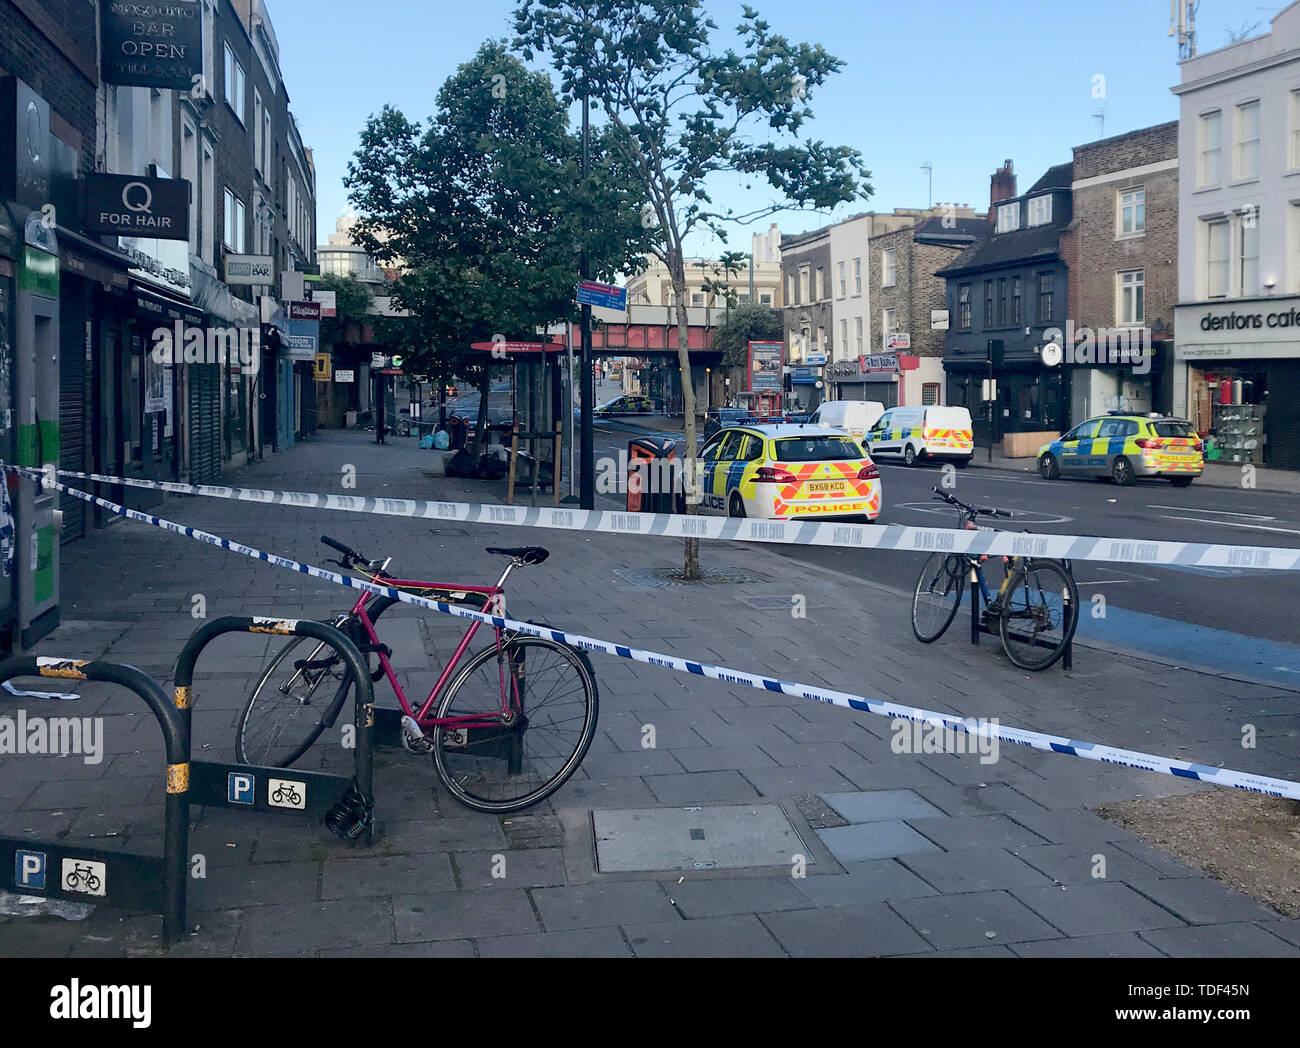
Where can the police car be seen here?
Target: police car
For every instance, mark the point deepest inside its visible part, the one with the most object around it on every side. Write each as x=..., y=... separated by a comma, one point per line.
x=1124, y=447
x=783, y=472
x=631, y=404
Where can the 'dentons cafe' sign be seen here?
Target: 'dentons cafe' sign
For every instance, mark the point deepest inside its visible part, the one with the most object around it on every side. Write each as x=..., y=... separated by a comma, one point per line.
x=151, y=44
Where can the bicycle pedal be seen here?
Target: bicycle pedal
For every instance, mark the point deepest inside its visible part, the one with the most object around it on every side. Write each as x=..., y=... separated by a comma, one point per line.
x=413, y=740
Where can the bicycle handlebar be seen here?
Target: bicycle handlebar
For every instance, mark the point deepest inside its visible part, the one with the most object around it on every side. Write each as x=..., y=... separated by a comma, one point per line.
x=347, y=551
x=972, y=510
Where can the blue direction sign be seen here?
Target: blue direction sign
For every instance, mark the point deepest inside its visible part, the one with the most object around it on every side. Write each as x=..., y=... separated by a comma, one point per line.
x=592, y=294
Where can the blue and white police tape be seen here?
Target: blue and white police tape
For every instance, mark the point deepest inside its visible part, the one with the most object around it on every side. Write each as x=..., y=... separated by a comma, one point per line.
x=1033, y=739
x=800, y=533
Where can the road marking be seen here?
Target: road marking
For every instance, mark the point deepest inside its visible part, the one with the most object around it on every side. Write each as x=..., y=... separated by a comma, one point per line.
x=1021, y=515
x=1233, y=524
x=1221, y=512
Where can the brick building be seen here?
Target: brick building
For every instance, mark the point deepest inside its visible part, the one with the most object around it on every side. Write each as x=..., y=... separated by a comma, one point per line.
x=806, y=279
x=1121, y=252
x=904, y=293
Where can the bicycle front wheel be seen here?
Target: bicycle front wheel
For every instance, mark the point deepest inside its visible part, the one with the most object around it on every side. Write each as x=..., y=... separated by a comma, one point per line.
x=1040, y=610
x=938, y=595
x=289, y=706
x=509, y=761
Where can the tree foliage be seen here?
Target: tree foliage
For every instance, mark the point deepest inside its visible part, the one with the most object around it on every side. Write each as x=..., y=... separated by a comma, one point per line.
x=748, y=322
x=353, y=302
x=686, y=112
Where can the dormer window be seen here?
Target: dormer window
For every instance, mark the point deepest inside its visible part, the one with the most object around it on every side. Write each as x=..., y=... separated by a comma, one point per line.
x=1009, y=217
x=1040, y=211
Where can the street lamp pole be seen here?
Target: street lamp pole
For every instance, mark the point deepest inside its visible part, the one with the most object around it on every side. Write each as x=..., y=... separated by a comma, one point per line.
x=588, y=436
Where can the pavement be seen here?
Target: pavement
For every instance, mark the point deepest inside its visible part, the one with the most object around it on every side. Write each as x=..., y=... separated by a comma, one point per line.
x=869, y=851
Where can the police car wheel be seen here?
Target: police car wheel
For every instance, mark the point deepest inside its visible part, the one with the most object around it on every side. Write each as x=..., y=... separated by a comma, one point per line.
x=909, y=456
x=736, y=506
x=1121, y=471
x=1049, y=467
x=1181, y=482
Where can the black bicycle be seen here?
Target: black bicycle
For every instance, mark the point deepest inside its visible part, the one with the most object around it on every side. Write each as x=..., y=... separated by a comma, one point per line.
x=1035, y=608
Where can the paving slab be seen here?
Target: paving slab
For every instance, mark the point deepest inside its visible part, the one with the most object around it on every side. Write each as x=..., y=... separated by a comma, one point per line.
x=864, y=882
x=881, y=805
x=707, y=937
x=1097, y=908
x=874, y=840
x=695, y=898
x=951, y=922
x=1220, y=940
x=844, y=931
x=604, y=904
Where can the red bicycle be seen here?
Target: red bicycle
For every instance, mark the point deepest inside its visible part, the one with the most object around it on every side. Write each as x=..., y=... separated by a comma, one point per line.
x=506, y=729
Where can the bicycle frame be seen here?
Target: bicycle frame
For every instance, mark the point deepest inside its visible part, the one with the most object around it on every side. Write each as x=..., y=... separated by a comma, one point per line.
x=495, y=604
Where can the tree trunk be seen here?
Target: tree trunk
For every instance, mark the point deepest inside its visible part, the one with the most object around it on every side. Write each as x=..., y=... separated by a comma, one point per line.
x=691, y=566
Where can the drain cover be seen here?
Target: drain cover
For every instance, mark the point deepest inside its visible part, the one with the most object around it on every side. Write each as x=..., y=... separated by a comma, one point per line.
x=662, y=579
x=724, y=837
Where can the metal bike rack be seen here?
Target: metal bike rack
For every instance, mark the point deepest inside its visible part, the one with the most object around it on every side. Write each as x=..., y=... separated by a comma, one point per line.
x=977, y=626
x=110, y=878
x=347, y=804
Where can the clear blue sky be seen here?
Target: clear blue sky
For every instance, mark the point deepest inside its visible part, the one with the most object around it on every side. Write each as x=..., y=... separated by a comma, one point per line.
x=962, y=85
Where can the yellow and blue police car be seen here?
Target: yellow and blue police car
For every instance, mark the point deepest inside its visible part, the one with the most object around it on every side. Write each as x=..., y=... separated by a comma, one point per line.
x=785, y=472
x=1124, y=447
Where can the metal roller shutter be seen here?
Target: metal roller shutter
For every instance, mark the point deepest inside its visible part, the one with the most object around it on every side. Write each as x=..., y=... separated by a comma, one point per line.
x=73, y=410
x=205, y=423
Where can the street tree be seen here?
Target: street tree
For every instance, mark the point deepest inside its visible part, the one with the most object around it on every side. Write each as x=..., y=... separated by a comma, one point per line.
x=686, y=112
x=748, y=322
x=484, y=211
x=353, y=299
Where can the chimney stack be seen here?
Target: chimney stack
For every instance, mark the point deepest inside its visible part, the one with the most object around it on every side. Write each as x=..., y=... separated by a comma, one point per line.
x=1002, y=186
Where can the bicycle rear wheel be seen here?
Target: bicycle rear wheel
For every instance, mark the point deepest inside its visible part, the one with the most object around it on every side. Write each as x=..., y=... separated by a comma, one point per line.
x=289, y=707
x=938, y=595
x=1039, y=612
x=505, y=764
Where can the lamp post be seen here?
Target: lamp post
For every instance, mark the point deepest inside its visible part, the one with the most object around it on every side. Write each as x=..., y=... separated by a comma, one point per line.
x=588, y=387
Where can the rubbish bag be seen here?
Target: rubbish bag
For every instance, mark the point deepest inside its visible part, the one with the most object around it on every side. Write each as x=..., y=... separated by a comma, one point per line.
x=12, y=905
x=426, y=441
x=442, y=440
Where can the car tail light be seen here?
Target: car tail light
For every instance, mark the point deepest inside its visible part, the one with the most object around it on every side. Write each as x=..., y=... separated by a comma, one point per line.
x=1147, y=444
x=774, y=475
x=869, y=472
x=1197, y=445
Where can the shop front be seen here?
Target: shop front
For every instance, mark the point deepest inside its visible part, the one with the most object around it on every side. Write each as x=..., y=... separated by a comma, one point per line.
x=1237, y=378
x=1030, y=398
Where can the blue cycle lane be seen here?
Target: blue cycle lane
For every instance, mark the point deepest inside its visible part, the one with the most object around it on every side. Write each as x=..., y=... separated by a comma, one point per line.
x=1192, y=646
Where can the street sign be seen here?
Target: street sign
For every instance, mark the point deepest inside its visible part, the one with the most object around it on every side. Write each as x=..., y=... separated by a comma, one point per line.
x=765, y=359
x=938, y=320
x=301, y=347
x=329, y=302
x=592, y=294
x=136, y=206
x=898, y=340
x=345, y=376
x=292, y=286
x=151, y=45
x=249, y=270
x=324, y=366
x=304, y=311
x=879, y=362
x=516, y=347
x=378, y=360
x=989, y=389
x=817, y=359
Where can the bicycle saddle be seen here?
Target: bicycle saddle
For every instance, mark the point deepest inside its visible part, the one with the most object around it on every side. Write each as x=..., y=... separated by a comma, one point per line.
x=528, y=554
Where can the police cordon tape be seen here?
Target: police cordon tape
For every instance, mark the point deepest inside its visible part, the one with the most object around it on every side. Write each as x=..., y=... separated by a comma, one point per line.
x=1152, y=552
x=1033, y=739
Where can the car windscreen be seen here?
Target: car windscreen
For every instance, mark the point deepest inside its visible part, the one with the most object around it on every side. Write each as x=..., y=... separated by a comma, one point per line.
x=816, y=449
x=1172, y=429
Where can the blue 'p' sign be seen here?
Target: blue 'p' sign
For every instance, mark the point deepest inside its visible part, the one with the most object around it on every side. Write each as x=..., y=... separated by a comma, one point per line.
x=240, y=788
x=29, y=870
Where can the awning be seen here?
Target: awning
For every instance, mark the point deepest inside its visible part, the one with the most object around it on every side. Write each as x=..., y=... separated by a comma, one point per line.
x=80, y=256
x=152, y=304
